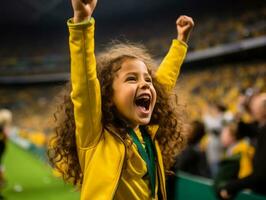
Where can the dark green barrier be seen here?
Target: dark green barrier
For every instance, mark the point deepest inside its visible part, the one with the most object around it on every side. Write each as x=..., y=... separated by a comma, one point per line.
x=189, y=187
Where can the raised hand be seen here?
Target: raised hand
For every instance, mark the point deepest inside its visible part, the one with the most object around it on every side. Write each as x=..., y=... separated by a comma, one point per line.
x=184, y=26
x=83, y=9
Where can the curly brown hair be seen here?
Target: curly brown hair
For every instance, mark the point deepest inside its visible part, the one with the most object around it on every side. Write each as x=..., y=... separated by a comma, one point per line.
x=167, y=113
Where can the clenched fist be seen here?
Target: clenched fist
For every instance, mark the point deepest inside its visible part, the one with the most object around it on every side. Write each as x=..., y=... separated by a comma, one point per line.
x=83, y=9
x=184, y=26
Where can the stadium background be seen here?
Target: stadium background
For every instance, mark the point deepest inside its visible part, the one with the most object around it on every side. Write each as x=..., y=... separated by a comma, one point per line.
x=226, y=54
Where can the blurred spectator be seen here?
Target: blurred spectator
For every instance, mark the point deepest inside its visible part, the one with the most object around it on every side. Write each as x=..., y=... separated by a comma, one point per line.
x=213, y=120
x=5, y=122
x=192, y=160
x=243, y=104
x=237, y=160
x=257, y=179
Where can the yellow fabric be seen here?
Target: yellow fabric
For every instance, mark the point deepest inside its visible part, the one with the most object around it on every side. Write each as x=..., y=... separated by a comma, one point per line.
x=101, y=151
x=134, y=183
x=169, y=69
x=247, y=152
x=204, y=142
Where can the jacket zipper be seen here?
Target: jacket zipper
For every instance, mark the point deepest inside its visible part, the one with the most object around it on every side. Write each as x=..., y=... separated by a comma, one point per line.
x=124, y=157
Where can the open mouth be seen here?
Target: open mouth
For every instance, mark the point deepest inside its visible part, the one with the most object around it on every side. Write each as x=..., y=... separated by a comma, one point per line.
x=143, y=101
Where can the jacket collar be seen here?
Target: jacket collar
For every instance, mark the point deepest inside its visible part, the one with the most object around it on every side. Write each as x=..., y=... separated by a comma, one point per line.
x=152, y=130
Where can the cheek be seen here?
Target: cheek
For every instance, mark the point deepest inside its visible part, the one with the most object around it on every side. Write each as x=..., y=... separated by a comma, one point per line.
x=123, y=95
x=116, y=98
x=154, y=94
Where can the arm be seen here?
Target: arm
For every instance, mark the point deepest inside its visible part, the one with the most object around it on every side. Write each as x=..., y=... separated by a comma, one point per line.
x=231, y=189
x=85, y=94
x=168, y=71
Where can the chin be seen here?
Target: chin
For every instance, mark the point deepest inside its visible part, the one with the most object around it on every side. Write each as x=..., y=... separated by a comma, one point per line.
x=144, y=121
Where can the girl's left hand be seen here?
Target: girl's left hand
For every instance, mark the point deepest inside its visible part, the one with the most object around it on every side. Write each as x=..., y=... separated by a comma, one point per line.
x=184, y=26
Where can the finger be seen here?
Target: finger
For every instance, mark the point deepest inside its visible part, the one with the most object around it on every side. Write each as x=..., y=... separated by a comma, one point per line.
x=191, y=21
x=77, y=4
x=180, y=18
x=185, y=28
x=187, y=19
x=181, y=21
x=87, y=1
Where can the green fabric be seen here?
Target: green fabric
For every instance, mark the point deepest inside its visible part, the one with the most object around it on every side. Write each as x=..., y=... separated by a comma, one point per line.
x=147, y=154
x=228, y=170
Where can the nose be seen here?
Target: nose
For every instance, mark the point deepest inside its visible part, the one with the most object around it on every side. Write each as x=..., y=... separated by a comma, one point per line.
x=144, y=85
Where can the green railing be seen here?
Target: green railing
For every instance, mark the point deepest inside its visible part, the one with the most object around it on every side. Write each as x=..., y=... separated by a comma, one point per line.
x=189, y=187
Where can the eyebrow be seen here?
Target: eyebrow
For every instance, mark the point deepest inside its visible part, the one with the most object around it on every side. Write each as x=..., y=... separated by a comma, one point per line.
x=135, y=73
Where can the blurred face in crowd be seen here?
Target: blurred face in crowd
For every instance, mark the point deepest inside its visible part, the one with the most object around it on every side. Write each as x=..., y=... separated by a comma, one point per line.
x=258, y=108
x=227, y=137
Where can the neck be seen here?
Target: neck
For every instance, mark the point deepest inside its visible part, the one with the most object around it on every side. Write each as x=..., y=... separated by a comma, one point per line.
x=135, y=127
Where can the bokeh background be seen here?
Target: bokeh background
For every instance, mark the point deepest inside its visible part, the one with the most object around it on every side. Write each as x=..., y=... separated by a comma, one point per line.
x=226, y=56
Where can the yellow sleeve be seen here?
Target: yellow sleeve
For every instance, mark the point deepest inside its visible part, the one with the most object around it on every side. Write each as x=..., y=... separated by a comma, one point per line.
x=168, y=71
x=85, y=94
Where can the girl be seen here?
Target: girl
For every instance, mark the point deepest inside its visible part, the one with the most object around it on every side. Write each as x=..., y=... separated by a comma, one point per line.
x=109, y=131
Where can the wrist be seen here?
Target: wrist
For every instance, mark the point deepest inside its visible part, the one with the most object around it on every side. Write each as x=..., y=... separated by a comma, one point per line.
x=80, y=17
x=182, y=38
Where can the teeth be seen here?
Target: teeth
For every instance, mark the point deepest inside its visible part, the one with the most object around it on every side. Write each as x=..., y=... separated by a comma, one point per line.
x=143, y=96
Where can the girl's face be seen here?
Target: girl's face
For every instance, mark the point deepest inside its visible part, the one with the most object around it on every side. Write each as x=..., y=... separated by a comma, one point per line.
x=134, y=95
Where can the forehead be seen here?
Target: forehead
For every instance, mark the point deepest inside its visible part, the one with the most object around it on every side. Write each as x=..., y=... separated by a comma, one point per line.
x=133, y=65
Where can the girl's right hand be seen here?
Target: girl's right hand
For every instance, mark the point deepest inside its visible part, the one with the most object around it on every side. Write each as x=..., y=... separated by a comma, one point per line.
x=83, y=9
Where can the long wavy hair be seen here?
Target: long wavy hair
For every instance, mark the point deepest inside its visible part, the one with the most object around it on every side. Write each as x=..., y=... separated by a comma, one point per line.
x=167, y=113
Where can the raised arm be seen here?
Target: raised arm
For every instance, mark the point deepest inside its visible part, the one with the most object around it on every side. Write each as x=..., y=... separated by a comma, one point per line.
x=169, y=69
x=85, y=94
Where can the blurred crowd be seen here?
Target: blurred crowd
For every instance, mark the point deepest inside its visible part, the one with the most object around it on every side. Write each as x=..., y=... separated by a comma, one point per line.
x=229, y=147
x=226, y=134
x=32, y=55
x=32, y=108
x=227, y=29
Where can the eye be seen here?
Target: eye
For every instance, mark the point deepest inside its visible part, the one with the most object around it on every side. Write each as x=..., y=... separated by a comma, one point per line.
x=131, y=78
x=148, y=79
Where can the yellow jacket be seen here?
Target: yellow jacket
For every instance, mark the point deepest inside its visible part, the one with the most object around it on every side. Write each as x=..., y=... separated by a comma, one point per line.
x=101, y=151
x=247, y=152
